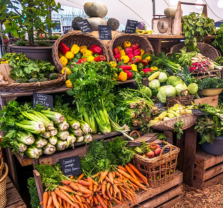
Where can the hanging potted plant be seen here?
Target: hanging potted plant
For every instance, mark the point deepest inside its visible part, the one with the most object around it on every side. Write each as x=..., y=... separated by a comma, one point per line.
x=35, y=16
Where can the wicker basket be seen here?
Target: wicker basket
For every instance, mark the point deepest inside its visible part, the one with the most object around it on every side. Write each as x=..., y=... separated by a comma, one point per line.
x=161, y=169
x=119, y=39
x=205, y=49
x=185, y=98
x=1, y=166
x=3, y=180
x=79, y=39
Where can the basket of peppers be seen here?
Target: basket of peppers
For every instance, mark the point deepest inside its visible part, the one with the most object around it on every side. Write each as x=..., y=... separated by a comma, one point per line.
x=76, y=48
x=131, y=54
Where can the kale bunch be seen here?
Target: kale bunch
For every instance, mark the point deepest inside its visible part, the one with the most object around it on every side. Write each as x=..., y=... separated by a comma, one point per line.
x=210, y=83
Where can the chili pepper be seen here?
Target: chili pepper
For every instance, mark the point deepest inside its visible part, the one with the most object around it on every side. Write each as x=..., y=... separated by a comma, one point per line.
x=68, y=71
x=144, y=62
x=82, y=60
x=135, y=46
x=128, y=51
x=90, y=58
x=146, y=70
x=96, y=49
x=116, y=51
x=126, y=67
x=83, y=48
x=125, y=59
x=142, y=52
x=75, y=49
x=122, y=76
x=69, y=55
x=99, y=58
x=60, y=54
x=63, y=48
x=136, y=52
x=154, y=68
x=134, y=67
x=119, y=48
x=134, y=60
x=63, y=60
x=78, y=55
x=122, y=53
x=139, y=57
x=68, y=83
x=130, y=56
x=127, y=44
x=129, y=74
x=113, y=64
x=117, y=57
x=88, y=53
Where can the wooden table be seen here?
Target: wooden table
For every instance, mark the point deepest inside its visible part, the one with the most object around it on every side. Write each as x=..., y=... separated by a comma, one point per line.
x=14, y=200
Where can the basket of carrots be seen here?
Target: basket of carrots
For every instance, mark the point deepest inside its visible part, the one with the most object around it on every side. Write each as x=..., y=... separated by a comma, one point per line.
x=157, y=162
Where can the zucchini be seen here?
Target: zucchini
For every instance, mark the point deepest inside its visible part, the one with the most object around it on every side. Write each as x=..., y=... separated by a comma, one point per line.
x=53, y=76
x=20, y=80
x=33, y=80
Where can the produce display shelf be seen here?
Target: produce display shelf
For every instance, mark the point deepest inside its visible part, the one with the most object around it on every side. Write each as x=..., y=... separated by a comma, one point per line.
x=162, y=36
x=14, y=200
x=208, y=169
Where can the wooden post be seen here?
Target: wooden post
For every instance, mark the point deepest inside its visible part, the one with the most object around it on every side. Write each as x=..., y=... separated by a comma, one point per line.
x=177, y=25
x=205, y=11
x=189, y=155
x=39, y=185
x=169, y=136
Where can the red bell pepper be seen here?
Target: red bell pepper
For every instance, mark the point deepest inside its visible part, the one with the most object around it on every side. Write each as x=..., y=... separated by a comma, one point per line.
x=135, y=46
x=130, y=56
x=147, y=70
x=63, y=48
x=116, y=51
x=126, y=67
x=82, y=60
x=96, y=49
x=117, y=57
x=128, y=51
x=145, y=62
x=134, y=60
x=129, y=74
x=136, y=52
x=99, y=58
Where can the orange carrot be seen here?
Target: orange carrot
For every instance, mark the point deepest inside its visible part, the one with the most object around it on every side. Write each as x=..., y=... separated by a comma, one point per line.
x=66, y=182
x=67, y=195
x=129, y=170
x=84, y=183
x=99, y=206
x=92, y=203
x=68, y=205
x=117, y=201
x=108, y=186
x=78, y=198
x=95, y=200
x=62, y=196
x=80, y=177
x=87, y=195
x=103, y=188
x=64, y=204
x=50, y=201
x=95, y=187
x=122, y=168
x=103, y=175
x=113, y=174
x=101, y=201
x=96, y=175
x=79, y=187
x=111, y=177
x=45, y=199
x=82, y=198
x=124, y=173
x=136, y=171
x=59, y=200
x=90, y=180
x=138, y=184
x=109, y=195
x=66, y=188
x=55, y=202
x=76, y=205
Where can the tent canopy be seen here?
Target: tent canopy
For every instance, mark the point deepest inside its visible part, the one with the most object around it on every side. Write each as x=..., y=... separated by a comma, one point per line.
x=142, y=10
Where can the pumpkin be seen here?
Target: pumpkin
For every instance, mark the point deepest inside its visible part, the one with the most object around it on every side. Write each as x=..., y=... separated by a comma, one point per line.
x=113, y=23
x=95, y=9
x=95, y=21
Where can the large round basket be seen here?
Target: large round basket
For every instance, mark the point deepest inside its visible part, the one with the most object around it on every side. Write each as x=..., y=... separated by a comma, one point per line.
x=34, y=86
x=79, y=39
x=119, y=39
x=188, y=121
x=205, y=49
x=3, y=180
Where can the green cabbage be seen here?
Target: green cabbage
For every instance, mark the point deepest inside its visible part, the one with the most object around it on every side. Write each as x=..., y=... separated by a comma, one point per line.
x=147, y=91
x=162, y=95
x=162, y=77
x=155, y=84
x=193, y=88
x=174, y=81
x=166, y=91
x=180, y=87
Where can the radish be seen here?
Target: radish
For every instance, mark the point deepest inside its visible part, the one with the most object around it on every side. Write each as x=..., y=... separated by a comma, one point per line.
x=157, y=146
x=157, y=151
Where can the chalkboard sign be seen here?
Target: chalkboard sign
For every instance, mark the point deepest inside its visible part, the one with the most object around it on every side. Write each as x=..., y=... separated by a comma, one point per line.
x=71, y=166
x=66, y=29
x=104, y=32
x=160, y=105
x=131, y=26
x=198, y=112
x=85, y=26
x=45, y=100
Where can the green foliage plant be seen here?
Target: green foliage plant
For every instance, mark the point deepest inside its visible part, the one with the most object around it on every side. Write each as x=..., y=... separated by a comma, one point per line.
x=218, y=42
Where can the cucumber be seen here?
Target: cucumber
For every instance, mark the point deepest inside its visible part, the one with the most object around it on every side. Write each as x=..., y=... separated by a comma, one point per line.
x=43, y=79
x=33, y=80
x=20, y=80
x=53, y=76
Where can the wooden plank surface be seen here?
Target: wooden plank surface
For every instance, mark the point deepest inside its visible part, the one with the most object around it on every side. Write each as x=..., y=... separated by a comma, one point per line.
x=213, y=100
x=145, y=195
x=14, y=200
x=171, y=202
x=39, y=185
x=169, y=136
x=162, y=36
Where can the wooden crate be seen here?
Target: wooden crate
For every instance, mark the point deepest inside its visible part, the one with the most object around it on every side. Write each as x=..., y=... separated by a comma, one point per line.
x=208, y=169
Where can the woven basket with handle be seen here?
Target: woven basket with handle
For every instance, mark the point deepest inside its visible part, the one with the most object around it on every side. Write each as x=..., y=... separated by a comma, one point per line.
x=161, y=169
x=79, y=39
x=3, y=180
x=119, y=40
x=205, y=49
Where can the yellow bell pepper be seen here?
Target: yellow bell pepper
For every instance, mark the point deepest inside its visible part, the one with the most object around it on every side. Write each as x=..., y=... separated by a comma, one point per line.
x=88, y=53
x=139, y=57
x=60, y=54
x=63, y=60
x=113, y=64
x=127, y=44
x=134, y=67
x=125, y=59
x=154, y=68
x=68, y=71
x=119, y=48
x=122, y=76
x=90, y=58
x=75, y=49
x=69, y=55
x=148, y=58
x=142, y=52
x=68, y=83
x=122, y=53
x=83, y=49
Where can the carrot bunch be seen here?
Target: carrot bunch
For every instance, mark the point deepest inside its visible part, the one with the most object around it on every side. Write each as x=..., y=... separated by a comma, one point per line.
x=100, y=190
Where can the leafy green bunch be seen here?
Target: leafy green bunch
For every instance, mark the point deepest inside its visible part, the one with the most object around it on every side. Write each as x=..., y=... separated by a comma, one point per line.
x=195, y=27
x=210, y=83
x=218, y=42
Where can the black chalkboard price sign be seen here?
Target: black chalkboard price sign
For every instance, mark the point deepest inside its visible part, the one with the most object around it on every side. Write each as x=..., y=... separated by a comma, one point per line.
x=104, y=32
x=131, y=26
x=198, y=112
x=160, y=105
x=71, y=166
x=85, y=26
x=45, y=100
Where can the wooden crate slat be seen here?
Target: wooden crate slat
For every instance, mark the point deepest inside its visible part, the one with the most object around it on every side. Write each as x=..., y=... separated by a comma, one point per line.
x=212, y=100
x=156, y=201
x=171, y=202
x=213, y=172
x=17, y=205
